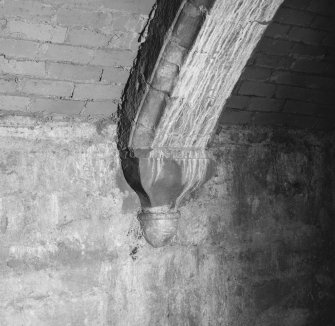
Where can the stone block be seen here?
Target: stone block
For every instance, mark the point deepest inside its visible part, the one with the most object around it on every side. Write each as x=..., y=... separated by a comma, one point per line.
x=46, y=87
x=86, y=37
x=301, y=107
x=97, y=92
x=294, y=17
x=187, y=26
x=234, y=117
x=66, y=53
x=126, y=22
x=323, y=23
x=124, y=41
x=302, y=80
x=153, y=108
x=165, y=76
x=8, y=85
x=309, y=51
x=323, y=7
x=30, y=68
x=311, y=66
x=115, y=75
x=105, y=108
x=306, y=35
x=14, y=103
x=273, y=61
x=256, y=73
x=82, y=18
x=71, y=72
x=297, y=4
x=175, y=54
x=329, y=41
x=113, y=58
x=276, y=30
x=144, y=7
x=296, y=93
x=238, y=102
x=35, y=31
x=19, y=48
x=257, y=89
x=68, y=107
x=30, y=10
x=265, y=104
x=274, y=47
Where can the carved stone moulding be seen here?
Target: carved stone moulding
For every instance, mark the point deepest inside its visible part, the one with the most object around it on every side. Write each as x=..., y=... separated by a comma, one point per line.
x=161, y=182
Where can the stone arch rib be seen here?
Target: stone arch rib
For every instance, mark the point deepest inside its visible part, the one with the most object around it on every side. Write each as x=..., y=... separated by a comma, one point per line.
x=193, y=56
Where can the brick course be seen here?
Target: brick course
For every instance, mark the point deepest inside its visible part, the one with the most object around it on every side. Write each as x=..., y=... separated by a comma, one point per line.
x=14, y=67
x=14, y=103
x=43, y=105
x=46, y=88
x=35, y=31
x=97, y=92
x=68, y=71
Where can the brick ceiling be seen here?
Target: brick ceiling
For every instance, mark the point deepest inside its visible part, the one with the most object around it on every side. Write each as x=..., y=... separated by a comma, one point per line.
x=290, y=79
x=67, y=57
x=73, y=57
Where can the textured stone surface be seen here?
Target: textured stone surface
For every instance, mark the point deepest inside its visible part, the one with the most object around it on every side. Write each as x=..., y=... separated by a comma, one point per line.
x=141, y=76
x=226, y=36
x=254, y=244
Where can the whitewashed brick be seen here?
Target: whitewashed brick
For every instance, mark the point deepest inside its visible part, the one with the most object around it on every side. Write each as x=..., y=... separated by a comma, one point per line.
x=18, y=48
x=97, y=92
x=100, y=108
x=67, y=71
x=31, y=68
x=14, y=103
x=115, y=75
x=46, y=87
x=32, y=10
x=85, y=37
x=124, y=41
x=36, y=31
x=56, y=106
x=83, y=18
x=113, y=58
x=58, y=52
x=8, y=85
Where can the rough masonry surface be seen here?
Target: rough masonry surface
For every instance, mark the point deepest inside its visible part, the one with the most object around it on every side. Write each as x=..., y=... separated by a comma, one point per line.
x=254, y=244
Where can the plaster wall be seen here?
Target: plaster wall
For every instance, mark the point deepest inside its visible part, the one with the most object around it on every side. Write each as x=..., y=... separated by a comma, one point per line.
x=254, y=244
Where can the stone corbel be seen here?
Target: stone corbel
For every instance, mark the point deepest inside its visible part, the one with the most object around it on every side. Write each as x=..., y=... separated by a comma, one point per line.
x=161, y=183
x=161, y=178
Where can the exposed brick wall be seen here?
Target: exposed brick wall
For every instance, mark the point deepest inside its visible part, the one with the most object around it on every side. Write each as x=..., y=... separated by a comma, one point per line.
x=67, y=56
x=290, y=79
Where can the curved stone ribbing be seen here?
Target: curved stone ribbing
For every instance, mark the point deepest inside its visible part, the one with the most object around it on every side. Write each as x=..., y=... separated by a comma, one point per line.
x=167, y=131
x=226, y=40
